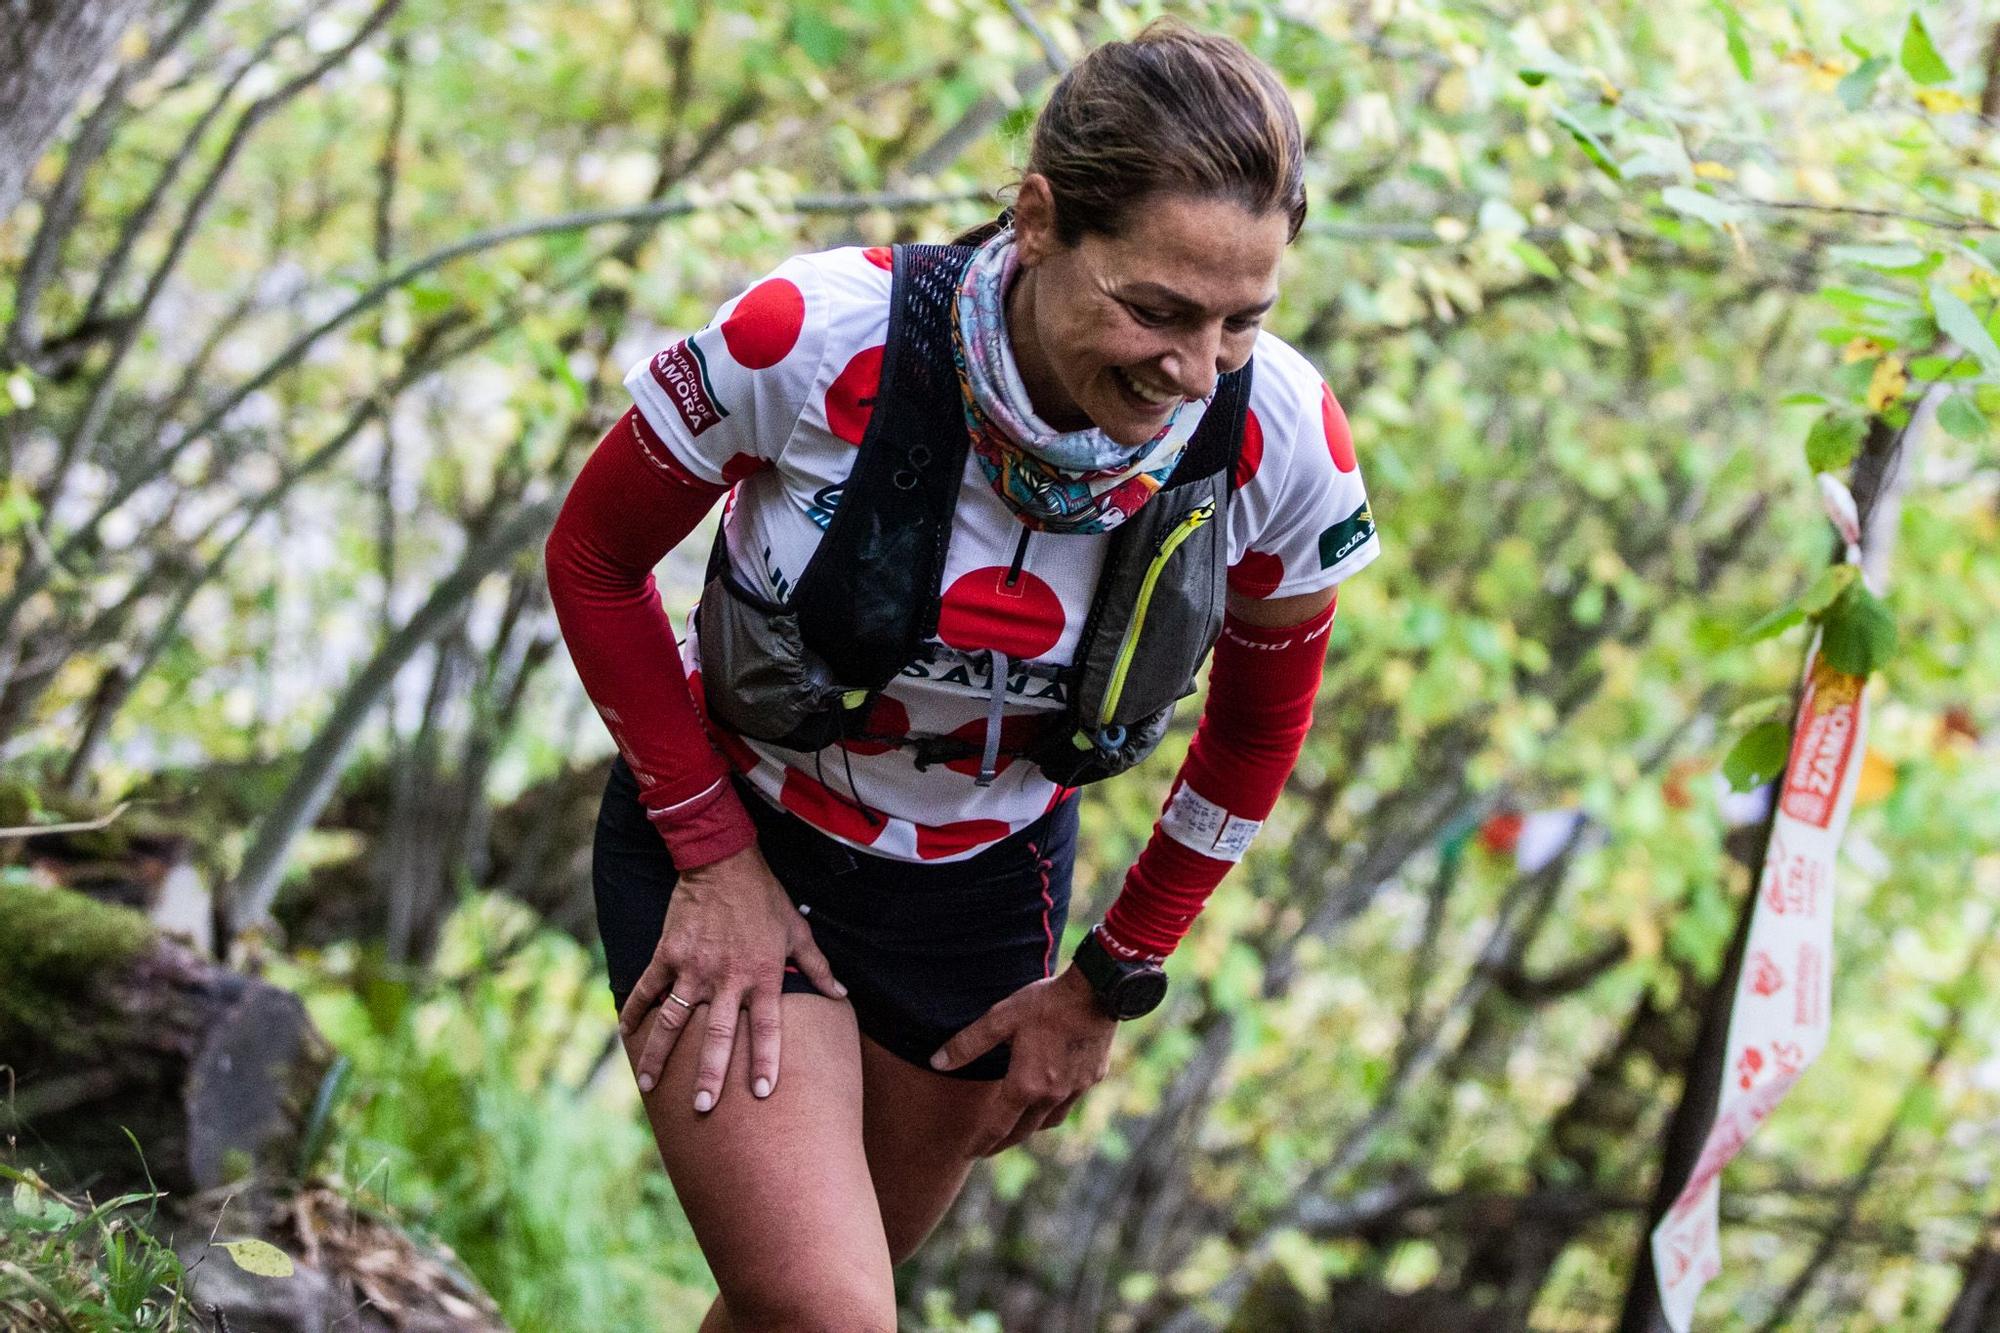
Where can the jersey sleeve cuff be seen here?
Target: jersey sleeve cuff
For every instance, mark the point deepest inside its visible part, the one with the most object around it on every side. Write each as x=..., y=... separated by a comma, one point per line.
x=705, y=828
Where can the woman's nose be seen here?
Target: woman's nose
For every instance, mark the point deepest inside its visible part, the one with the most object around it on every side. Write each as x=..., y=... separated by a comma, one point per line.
x=1196, y=362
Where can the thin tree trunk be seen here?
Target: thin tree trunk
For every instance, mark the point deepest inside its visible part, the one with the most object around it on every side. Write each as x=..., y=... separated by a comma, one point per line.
x=1976, y=1309
x=51, y=51
x=307, y=793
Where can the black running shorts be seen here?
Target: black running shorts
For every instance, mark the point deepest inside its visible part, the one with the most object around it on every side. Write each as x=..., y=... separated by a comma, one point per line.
x=924, y=950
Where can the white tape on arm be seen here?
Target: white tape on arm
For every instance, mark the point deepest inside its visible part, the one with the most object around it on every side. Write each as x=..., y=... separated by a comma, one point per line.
x=1200, y=824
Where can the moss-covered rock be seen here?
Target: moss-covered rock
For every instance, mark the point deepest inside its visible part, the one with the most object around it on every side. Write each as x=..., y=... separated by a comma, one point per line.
x=55, y=942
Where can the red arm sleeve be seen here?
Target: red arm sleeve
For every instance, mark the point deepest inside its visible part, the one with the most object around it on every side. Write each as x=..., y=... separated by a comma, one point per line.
x=631, y=504
x=1261, y=691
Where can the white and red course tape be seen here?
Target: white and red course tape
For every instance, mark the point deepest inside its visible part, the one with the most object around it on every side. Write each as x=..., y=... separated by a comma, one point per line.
x=1778, y=1022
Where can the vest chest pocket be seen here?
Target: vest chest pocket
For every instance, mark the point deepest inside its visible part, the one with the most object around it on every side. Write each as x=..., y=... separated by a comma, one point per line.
x=1159, y=617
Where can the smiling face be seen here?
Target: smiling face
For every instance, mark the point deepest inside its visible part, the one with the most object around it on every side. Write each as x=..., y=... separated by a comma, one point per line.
x=1116, y=331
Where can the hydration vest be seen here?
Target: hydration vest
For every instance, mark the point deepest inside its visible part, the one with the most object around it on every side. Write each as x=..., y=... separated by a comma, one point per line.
x=805, y=673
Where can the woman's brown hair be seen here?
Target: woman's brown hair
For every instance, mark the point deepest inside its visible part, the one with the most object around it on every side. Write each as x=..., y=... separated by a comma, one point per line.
x=1172, y=111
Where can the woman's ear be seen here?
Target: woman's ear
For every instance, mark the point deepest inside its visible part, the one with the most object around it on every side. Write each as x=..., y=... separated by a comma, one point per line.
x=1035, y=220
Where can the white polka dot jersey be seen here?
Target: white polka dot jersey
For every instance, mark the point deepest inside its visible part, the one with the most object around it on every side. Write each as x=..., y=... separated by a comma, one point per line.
x=773, y=397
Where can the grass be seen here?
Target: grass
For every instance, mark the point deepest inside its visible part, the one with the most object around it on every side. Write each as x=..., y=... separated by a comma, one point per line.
x=71, y=1265
x=488, y=1106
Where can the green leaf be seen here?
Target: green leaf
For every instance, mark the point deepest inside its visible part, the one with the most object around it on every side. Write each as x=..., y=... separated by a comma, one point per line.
x=1772, y=707
x=1867, y=301
x=1531, y=257
x=1878, y=256
x=1758, y=755
x=1593, y=147
x=1961, y=417
x=1856, y=85
x=1956, y=320
x=822, y=41
x=1533, y=77
x=1732, y=33
x=1920, y=57
x=1859, y=633
x=1694, y=203
x=17, y=507
x=27, y=1200
x=1803, y=400
x=1827, y=588
x=259, y=1257
x=1777, y=622
x=1833, y=441
x=1943, y=368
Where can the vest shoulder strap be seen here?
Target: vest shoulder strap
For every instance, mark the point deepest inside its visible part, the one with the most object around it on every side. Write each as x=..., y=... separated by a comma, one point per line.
x=869, y=597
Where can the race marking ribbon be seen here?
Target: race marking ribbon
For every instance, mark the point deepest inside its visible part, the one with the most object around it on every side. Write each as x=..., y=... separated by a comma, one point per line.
x=1778, y=1021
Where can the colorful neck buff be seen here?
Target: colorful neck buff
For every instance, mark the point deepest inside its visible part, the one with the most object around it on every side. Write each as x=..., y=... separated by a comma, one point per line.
x=1055, y=481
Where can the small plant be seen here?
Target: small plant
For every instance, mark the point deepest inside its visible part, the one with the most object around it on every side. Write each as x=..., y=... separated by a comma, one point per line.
x=71, y=1265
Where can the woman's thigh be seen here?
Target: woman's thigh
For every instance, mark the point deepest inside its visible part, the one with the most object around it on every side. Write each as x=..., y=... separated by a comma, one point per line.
x=778, y=1190
x=918, y=1130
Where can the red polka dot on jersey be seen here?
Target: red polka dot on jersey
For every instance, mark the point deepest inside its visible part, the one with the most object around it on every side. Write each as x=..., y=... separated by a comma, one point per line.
x=850, y=399
x=740, y=466
x=1252, y=452
x=1339, y=441
x=886, y=718
x=1017, y=732
x=981, y=611
x=1257, y=574
x=879, y=256
x=825, y=810
x=765, y=324
x=935, y=841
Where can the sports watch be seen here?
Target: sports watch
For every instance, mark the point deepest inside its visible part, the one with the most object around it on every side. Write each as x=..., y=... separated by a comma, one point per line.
x=1124, y=989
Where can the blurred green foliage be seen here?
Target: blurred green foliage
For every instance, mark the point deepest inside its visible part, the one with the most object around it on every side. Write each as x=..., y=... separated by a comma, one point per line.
x=1600, y=287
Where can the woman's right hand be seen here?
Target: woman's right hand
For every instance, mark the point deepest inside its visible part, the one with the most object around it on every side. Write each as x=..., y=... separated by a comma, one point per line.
x=730, y=927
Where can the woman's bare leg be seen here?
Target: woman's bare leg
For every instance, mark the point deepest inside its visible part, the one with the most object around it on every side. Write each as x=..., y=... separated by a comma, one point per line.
x=778, y=1191
x=917, y=1127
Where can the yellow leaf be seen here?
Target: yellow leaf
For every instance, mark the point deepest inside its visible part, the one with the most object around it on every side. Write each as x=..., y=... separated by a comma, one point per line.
x=1887, y=384
x=259, y=1257
x=1608, y=90
x=1714, y=171
x=1735, y=233
x=1452, y=93
x=1827, y=74
x=1877, y=780
x=1819, y=184
x=1860, y=349
x=1944, y=101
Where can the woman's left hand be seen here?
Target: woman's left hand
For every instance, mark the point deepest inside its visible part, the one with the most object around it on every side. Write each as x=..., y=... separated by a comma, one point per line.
x=1061, y=1049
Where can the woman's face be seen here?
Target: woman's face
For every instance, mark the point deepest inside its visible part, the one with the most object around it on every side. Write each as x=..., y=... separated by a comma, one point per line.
x=1116, y=332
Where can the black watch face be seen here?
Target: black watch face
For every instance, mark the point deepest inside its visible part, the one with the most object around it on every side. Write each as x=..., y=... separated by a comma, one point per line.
x=1137, y=993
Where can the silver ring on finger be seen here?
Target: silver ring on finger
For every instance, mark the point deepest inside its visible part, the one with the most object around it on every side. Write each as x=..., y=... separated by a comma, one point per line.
x=679, y=1001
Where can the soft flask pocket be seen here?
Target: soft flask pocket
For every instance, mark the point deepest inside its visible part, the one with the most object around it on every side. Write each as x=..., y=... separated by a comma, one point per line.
x=758, y=677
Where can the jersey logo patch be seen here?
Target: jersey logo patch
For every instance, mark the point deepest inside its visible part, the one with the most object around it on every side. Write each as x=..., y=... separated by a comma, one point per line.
x=683, y=373
x=1345, y=537
x=825, y=504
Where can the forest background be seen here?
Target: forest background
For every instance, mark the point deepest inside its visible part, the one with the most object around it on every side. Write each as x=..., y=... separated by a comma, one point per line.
x=311, y=310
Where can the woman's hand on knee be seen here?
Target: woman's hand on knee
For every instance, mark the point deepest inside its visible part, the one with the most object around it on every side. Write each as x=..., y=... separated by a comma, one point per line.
x=730, y=927
x=1061, y=1048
